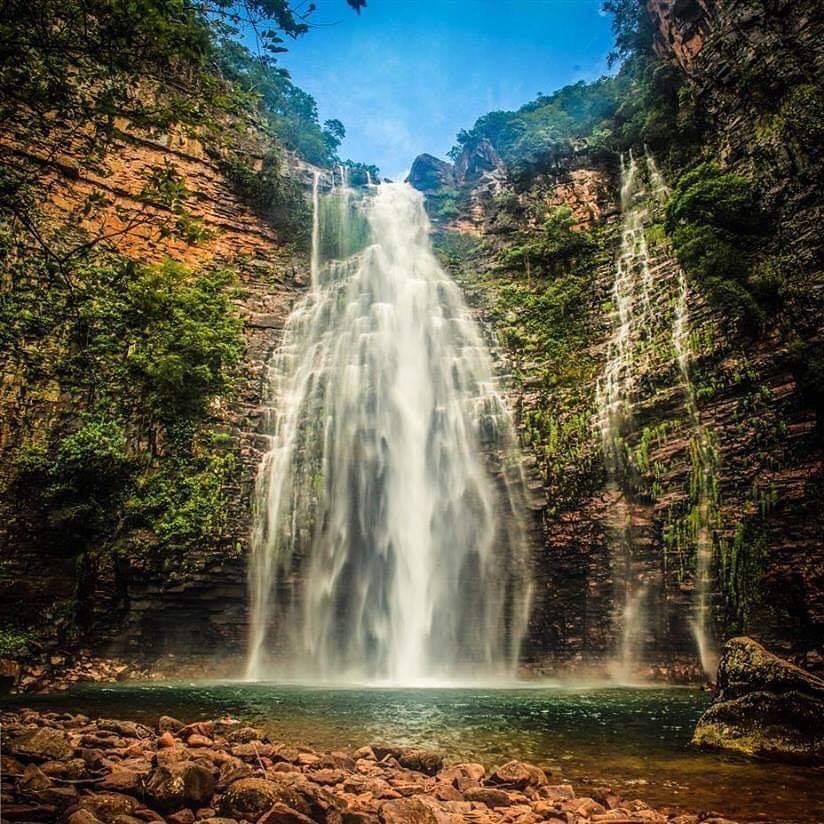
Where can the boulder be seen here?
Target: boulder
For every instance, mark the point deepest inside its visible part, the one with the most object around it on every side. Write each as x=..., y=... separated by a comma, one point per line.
x=422, y=761
x=42, y=744
x=429, y=174
x=407, y=811
x=34, y=779
x=182, y=784
x=490, y=796
x=168, y=724
x=184, y=816
x=766, y=707
x=243, y=735
x=10, y=766
x=108, y=806
x=517, y=775
x=125, y=729
x=250, y=798
x=122, y=781
x=281, y=814
x=462, y=776
x=476, y=161
x=83, y=817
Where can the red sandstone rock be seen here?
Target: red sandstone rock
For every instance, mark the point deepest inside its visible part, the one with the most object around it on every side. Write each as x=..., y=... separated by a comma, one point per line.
x=488, y=795
x=517, y=775
x=281, y=814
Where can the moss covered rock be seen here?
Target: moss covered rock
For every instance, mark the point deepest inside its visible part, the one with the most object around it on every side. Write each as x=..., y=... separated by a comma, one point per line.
x=766, y=707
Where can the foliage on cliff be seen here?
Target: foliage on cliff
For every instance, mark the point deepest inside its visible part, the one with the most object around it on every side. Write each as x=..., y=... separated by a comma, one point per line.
x=121, y=371
x=143, y=350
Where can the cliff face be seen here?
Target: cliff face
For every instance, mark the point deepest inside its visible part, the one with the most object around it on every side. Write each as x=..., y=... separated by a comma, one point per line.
x=744, y=63
x=136, y=600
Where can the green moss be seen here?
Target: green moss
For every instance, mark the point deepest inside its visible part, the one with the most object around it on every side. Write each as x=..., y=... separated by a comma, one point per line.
x=13, y=642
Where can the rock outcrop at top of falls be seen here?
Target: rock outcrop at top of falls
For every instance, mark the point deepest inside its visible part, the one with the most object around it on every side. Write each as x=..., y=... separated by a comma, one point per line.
x=766, y=707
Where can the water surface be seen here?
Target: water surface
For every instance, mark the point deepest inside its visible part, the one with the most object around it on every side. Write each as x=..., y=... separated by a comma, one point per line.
x=634, y=740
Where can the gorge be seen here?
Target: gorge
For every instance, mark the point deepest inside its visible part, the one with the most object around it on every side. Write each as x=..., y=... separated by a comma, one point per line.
x=517, y=456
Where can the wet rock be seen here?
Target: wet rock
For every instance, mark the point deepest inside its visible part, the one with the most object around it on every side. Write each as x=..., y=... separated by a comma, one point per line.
x=359, y=817
x=43, y=744
x=166, y=740
x=250, y=798
x=281, y=814
x=196, y=740
x=407, y=811
x=10, y=766
x=462, y=776
x=243, y=735
x=586, y=807
x=33, y=778
x=766, y=707
x=181, y=817
x=327, y=778
x=181, y=784
x=423, y=761
x=122, y=781
x=488, y=795
x=447, y=792
x=83, y=817
x=125, y=729
x=168, y=724
x=59, y=797
x=204, y=728
x=107, y=806
x=557, y=791
x=29, y=812
x=517, y=775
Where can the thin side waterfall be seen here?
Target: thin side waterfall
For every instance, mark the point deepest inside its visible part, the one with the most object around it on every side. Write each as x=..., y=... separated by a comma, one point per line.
x=390, y=536
x=615, y=397
x=642, y=296
x=703, y=458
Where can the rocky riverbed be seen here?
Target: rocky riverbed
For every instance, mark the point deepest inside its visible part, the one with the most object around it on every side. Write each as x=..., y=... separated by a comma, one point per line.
x=63, y=767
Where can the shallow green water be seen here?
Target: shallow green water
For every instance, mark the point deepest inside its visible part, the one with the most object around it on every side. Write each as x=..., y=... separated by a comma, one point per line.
x=634, y=740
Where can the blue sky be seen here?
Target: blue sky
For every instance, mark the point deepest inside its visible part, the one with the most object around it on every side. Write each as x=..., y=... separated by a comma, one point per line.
x=406, y=75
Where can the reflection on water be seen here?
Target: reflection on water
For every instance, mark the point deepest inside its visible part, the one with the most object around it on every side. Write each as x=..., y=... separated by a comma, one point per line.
x=634, y=740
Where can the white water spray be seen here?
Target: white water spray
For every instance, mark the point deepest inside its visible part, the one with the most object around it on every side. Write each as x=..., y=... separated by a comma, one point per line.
x=389, y=531
x=641, y=295
x=615, y=396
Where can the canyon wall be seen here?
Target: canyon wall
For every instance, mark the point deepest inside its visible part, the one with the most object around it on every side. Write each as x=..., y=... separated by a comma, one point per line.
x=743, y=63
x=134, y=599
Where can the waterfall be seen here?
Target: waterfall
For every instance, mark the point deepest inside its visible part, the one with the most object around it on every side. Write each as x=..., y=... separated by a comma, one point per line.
x=641, y=296
x=389, y=538
x=703, y=458
x=633, y=311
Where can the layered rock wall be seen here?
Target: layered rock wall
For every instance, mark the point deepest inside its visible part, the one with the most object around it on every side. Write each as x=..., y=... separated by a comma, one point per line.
x=134, y=601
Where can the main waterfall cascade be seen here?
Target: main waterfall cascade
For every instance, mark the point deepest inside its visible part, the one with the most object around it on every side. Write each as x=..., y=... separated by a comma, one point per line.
x=647, y=302
x=390, y=538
